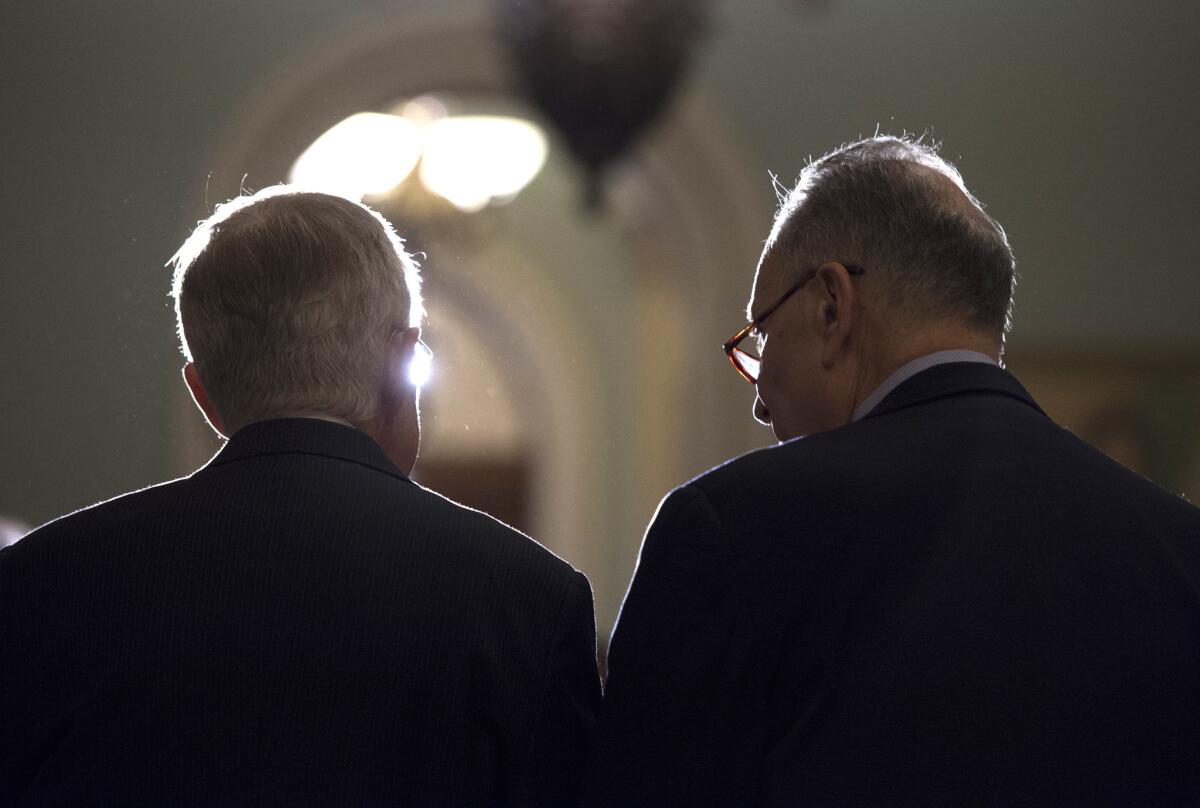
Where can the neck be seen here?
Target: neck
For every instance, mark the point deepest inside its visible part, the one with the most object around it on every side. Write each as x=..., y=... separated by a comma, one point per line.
x=318, y=415
x=875, y=368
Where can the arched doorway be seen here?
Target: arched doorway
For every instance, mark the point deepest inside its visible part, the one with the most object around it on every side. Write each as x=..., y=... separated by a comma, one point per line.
x=603, y=332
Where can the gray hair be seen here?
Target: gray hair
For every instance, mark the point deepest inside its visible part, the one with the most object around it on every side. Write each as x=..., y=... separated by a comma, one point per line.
x=286, y=301
x=895, y=206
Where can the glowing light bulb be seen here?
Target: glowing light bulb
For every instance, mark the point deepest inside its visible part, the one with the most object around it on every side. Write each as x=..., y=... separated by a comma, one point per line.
x=366, y=154
x=473, y=159
x=420, y=367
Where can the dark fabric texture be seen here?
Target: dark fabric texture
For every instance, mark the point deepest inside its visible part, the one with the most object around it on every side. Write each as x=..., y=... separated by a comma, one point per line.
x=295, y=624
x=953, y=602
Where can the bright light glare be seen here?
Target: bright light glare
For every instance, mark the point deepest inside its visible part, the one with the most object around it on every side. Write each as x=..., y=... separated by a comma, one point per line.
x=424, y=109
x=420, y=367
x=472, y=159
x=367, y=153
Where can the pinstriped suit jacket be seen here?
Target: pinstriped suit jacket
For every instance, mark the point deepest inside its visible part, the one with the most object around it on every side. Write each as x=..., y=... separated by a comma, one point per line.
x=295, y=623
x=952, y=602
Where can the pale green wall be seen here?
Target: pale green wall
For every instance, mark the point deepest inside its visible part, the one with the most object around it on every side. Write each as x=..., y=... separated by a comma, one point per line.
x=109, y=109
x=1075, y=121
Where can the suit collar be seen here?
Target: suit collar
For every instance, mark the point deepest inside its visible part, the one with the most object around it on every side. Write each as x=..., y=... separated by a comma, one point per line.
x=956, y=378
x=306, y=436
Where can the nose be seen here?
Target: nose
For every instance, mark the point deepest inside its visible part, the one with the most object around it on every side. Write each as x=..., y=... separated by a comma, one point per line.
x=761, y=413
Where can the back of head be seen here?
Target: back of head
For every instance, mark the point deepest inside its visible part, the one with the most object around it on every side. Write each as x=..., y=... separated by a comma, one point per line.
x=895, y=206
x=286, y=301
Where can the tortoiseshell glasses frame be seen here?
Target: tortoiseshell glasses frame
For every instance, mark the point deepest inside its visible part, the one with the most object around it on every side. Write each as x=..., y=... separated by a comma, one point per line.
x=746, y=363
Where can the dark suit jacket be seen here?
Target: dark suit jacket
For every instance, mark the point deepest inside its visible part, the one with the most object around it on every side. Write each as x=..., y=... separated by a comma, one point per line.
x=951, y=602
x=295, y=623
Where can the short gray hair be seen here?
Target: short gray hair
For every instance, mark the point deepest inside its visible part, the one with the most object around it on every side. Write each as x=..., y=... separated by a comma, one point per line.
x=286, y=301
x=895, y=206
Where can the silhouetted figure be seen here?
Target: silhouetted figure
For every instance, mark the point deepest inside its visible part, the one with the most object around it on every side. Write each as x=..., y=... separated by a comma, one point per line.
x=297, y=623
x=937, y=597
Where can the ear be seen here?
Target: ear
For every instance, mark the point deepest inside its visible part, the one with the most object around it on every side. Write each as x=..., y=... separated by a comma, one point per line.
x=200, y=396
x=836, y=309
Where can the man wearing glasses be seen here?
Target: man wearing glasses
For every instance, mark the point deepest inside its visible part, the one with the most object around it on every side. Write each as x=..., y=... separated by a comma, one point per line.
x=928, y=593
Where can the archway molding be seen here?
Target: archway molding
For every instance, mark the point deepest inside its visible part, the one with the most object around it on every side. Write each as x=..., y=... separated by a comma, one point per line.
x=684, y=201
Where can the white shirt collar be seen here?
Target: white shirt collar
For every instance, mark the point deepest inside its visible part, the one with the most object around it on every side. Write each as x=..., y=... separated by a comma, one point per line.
x=910, y=369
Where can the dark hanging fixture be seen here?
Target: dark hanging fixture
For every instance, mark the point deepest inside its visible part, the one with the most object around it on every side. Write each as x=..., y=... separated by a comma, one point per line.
x=601, y=71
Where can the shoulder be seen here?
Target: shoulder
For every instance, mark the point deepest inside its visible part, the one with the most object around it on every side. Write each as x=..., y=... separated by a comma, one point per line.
x=81, y=541
x=722, y=508
x=510, y=583
x=783, y=476
x=99, y=516
x=1117, y=487
x=482, y=539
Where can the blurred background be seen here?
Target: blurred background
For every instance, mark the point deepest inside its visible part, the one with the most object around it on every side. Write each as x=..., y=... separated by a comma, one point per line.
x=588, y=183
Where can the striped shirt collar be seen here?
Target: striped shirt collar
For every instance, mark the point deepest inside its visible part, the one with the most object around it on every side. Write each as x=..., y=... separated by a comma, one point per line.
x=910, y=369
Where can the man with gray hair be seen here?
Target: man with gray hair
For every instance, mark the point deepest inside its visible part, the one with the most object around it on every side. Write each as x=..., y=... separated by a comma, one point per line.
x=927, y=593
x=297, y=622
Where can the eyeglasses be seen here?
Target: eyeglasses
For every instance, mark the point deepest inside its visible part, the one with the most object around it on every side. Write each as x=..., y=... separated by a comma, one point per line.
x=746, y=363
